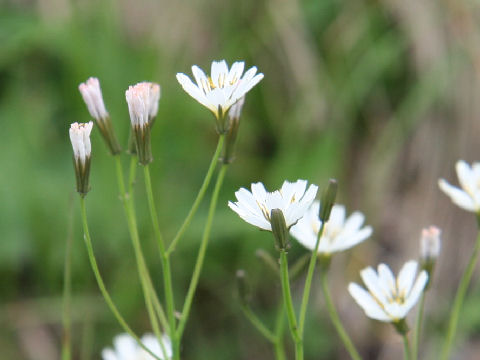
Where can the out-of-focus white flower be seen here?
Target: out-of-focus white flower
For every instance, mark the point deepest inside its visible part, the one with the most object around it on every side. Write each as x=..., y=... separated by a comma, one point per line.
x=142, y=100
x=430, y=243
x=468, y=197
x=340, y=233
x=223, y=88
x=389, y=299
x=80, y=138
x=92, y=95
x=126, y=348
x=255, y=207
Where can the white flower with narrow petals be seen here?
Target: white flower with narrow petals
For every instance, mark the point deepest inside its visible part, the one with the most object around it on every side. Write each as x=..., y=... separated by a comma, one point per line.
x=430, y=243
x=389, y=299
x=126, y=348
x=468, y=197
x=80, y=139
x=255, y=207
x=223, y=88
x=92, y=95
x=340, y=232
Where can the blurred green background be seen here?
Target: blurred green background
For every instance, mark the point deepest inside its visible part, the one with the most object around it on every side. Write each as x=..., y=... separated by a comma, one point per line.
x=383, y=95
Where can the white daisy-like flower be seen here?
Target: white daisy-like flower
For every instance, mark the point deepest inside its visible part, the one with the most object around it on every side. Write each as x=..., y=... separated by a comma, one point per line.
x=468, y=197
x=389, y=299
x=126, y=348
x=223, y=88
x=80, y=139
x=255, y=207
x=92, y=95
x=430, y=243
x=340, y=232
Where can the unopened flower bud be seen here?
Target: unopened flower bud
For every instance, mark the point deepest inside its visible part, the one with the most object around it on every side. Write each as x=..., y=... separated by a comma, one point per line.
x=242, y=287
x=430, y=245
x=142, y=100
x=80, y=139
x=92, y=95
x=231, y=136
x=328, y=200
x=279, y=229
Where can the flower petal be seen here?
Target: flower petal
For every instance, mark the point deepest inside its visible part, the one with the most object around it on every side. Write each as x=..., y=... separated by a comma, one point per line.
x=459, y=197
x=367, y=303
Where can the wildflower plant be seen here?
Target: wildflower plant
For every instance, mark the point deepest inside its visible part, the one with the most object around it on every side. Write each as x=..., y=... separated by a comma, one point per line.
x=321, y=227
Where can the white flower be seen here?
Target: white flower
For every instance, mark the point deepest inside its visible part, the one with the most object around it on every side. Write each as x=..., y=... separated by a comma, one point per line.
x=469, y=177
x=255, y=207
x=80, y=138
x=430, y=243
x=223, y=88
x=340, y=233
x=126, y=348
x=389, y=299
x=92, y=95
x=142, y=100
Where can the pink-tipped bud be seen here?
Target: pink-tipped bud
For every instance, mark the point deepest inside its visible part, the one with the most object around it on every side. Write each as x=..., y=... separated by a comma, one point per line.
x=430, y=243
x=92, y=95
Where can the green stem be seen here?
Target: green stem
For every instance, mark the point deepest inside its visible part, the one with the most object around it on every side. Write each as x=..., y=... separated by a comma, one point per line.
x=336, y=319
x=258, y=324
x=165, y=261
x=132, y=176
x=199, y=197
x=145, y=280
x=287, y=298
x=101, y=284
x=67, y=289
x=459, y=298
x=279, y=327
x=418, y=327
x=406, y=347
x=308, y=281
x=201, y=253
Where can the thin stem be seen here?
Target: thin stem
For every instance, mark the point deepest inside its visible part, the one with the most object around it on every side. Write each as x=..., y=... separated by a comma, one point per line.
x=459, y=298
x=258, y=324
x=347, y=342
x=67, y=288
x=101, y=284
x=145, y=280
x=308, y=281
x=132, y=175
x=406, y=347
x=418, y=327
x=199, y=197
x=201, y=252
x=279, y=327
x=165, y=261
x=287, y=299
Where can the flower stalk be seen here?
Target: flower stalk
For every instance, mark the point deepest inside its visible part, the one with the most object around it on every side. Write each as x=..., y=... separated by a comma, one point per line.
x=460, y=297
x=201, y=253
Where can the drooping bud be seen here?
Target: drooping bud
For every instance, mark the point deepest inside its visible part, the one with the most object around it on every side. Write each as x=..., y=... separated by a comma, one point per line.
x=231, y=137
x=430, y=245
x=142, y=100
x=328, y=200
x=80, y=139
x=279, y=229
x=242, y=287
x=92, y=95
